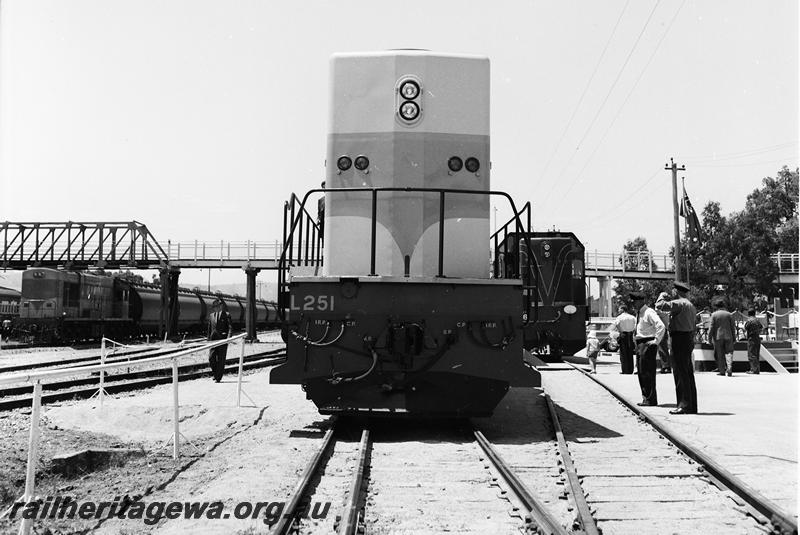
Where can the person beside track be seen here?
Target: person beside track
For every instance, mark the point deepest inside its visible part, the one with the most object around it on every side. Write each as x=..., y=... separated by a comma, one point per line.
x=721, y=336
x=752, y=329
x=649, y=332
x=625, y=325
x=219, y=328
x=682, y=314
x=663, y=347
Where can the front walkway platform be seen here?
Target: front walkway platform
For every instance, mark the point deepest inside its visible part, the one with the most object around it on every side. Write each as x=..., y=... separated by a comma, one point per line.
x=746, y=423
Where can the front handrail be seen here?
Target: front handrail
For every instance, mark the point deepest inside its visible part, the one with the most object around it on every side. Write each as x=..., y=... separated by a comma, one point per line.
x=526, y=209
x=442, y=192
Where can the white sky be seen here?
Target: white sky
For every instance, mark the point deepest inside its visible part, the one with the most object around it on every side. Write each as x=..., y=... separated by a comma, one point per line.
x=199, y=118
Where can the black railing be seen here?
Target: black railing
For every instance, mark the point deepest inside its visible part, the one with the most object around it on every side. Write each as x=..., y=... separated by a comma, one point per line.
x=308, y=248
x=297, y=216
x=529, y=272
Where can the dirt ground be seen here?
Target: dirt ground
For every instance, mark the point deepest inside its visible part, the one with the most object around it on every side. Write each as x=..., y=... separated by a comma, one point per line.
x=219, y=434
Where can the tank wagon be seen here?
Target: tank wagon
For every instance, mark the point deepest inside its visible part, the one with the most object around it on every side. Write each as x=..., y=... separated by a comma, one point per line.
x=61, y=306
x=403, y=314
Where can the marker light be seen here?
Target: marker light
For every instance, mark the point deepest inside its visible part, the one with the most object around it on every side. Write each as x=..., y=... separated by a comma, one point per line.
x=472, y=165
x=409, y=89
x=344, y=163
x=409, y=110
x=455, y=164
x=362, y=162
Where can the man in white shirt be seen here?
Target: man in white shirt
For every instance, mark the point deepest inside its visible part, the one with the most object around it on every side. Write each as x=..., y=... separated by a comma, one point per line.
x=625, y=325
x=649, y=332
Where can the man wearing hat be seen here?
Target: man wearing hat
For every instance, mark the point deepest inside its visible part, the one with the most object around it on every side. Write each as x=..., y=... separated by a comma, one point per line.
x=663, y=347
x=219, y=328
x=625, y=325
x=682, y=315
x=753, y=329
x=649, y=332
x=721, y=335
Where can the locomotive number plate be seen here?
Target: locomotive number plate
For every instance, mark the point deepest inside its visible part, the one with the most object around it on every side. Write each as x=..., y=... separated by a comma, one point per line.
x=320, y=303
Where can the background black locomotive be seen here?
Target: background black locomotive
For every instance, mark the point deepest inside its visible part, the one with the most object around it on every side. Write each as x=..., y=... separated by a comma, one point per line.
x=61, y=306
x=559, y=296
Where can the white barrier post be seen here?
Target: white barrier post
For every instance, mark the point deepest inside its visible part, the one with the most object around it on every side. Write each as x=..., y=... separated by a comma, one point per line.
x=102, y=391
x=239, y=379
x=175, y=431
x=33, y=455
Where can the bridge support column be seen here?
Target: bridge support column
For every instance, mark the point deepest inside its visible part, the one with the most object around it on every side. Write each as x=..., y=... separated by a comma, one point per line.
x=606, y=292
x=250, y=311
x=169, y=302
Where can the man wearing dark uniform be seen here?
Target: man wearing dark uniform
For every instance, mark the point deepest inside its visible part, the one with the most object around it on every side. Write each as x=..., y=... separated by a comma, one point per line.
x=219, y=328
x=682, y=317
x=753, y=329
x=625, y=325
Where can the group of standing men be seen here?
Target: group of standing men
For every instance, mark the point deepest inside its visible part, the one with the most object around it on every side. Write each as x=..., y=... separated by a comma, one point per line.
x=646, y=333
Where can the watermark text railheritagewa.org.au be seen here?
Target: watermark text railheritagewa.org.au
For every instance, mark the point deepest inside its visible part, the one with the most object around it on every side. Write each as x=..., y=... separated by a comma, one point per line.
x=64, y=507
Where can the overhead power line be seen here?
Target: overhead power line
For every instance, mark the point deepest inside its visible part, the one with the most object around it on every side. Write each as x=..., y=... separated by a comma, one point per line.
x=605, y=100
x=583, y=94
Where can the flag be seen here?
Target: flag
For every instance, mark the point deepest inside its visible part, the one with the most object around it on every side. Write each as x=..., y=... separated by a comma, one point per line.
x=687, y=212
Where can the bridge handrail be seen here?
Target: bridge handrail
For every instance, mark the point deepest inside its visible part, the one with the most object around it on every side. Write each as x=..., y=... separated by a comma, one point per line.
x=645, y=261
x=223, y=250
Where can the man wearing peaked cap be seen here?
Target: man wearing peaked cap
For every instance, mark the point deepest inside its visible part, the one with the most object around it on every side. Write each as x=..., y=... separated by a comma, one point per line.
x=682, y=286
x=682, y=317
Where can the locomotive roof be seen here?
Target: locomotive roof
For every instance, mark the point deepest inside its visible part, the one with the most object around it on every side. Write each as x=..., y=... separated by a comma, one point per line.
x=9, y=292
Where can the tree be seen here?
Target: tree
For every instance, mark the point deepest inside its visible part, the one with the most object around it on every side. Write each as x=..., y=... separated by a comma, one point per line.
x=651, y=288
x=735, y=258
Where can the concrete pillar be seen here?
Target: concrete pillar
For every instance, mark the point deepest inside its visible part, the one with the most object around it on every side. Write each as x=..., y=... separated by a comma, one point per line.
x=606, y=292
x=250, y=311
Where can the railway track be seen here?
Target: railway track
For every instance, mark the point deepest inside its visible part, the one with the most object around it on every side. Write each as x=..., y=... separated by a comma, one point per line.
x=94, y=359
x=635, y=477
x=358, y=485
x=60, y=390
x=583, y=463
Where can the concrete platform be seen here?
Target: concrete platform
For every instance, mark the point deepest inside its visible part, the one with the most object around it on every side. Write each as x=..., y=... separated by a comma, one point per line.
x=746, y=423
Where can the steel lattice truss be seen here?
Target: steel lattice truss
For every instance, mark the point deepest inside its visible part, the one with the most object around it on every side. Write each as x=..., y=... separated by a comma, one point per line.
x=76, y=245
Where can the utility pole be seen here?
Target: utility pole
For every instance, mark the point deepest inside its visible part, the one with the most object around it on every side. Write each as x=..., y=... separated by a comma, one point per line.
x=674, y=168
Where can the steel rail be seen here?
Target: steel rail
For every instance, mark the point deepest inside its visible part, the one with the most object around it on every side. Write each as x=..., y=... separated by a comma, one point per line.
x=781, y=520
x=585, y=517
x=132, y=355
x=349, y=524
x=545, y=521
x=289, y=515
x=88, y=370
x=190, y=372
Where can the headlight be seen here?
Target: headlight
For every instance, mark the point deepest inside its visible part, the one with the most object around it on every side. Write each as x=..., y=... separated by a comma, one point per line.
x=409, y=89
x=455, y=164
x=570, y=309
x=472, y=165
x=362, y=162
x=409, y=110
x=344, y=163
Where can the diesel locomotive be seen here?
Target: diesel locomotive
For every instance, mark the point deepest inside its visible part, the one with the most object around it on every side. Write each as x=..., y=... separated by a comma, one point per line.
x=400, y=311
x=560, y=295
x=63, y=306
